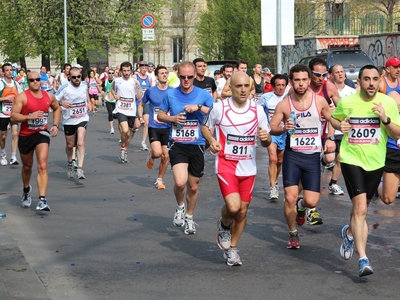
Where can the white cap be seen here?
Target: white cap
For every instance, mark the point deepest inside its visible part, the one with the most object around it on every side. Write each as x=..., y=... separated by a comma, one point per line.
x=78, y=66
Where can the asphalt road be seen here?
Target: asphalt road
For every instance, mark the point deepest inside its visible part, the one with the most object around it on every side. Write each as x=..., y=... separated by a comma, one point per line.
x=111, y=237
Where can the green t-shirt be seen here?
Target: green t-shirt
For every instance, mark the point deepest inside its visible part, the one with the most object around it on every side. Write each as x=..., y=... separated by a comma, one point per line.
x=365, y=144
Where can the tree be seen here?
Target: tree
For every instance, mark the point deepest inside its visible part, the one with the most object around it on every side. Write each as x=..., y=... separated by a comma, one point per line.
x=231, y=29
x=386, y=7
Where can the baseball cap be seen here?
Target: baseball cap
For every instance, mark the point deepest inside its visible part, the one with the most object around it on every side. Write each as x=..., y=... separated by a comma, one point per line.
x=394, y=62
x=78, y=66
x=150, y=64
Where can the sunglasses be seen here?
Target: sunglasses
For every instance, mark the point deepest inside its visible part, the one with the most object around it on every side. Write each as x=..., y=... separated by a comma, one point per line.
x=143, y=65
x=34, y=79
x=183, y=77
x=76, y=77
x=318, y=74
x=110, y=72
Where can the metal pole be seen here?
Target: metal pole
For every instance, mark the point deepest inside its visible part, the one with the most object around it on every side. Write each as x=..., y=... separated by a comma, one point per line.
x=65, y=33
x=278, y=37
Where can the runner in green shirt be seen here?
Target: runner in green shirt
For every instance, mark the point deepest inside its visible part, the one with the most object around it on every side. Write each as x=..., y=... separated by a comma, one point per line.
x=367, y=119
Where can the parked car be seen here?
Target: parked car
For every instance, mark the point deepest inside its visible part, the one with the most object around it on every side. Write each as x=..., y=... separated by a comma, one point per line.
x=213, y=65
x=351, y=59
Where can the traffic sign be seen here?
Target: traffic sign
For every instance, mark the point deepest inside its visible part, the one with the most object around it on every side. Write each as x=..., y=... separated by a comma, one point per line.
x=148, y=21
x=147, y=34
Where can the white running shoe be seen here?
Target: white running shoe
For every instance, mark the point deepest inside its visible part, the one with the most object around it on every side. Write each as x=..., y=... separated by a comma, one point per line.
x=123, y=156
x=273, y=193
x=179, y=216
x=112, y=131
x=335, y=189
x=80, y=174
x=70, y=171
x=232, y=257
x=14, y=160
x=26, y=199
x=144, y=147
x=42, y=205
x=3, y=159
x=190, y=226
x=223, y=236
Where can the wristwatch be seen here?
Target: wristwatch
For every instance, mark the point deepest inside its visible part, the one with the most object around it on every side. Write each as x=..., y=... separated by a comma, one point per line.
x=199, y=106
x=55, y=125
x=332, y=137
x=387, y=121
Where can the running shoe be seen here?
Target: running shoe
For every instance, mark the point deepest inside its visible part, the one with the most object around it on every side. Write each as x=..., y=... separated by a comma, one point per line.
x=179, y=216
x=150, y=160
x=335, y=189
x=223, y=236
x=3, y=159
x=346, y=248
x=70, y=171
x=74, y=162
x=80, y=174
x=232, y=257
x=144, y=147
x=273, y=193
x=313, y=217
x=364, y=267
x=14, y=160
x=330, y=165
x=112, y=131
x=123, y=156
x=159, y=184
x=42, y=205
x=293, y=242
x=301, y=213
x=190, y=226
x=26, y=199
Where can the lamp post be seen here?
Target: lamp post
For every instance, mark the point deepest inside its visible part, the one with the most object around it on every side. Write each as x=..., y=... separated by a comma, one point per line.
x=65, y=33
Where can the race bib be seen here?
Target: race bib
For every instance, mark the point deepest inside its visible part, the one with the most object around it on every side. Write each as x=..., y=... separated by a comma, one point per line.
x=125, y=103
x=365, y=130
x=156, y=109
x=39, y=123
x=239, y=147
x=6, y=107
x=187, y=132
x=78, y=110
x=305, y=139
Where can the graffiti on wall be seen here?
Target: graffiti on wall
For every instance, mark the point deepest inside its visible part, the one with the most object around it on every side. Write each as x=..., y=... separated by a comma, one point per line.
x=292, y=54
x=381, y=48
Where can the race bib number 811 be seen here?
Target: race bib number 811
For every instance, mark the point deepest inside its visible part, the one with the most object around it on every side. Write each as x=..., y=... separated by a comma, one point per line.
x=239, y=147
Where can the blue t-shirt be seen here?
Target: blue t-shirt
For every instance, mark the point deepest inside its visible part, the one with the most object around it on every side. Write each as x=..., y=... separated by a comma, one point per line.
x=44, y=81
x=174, y=101
x=154, y=96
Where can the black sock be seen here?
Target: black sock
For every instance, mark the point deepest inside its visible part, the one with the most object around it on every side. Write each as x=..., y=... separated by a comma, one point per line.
x=42, y=197
x=26, y=190
x=224, y=227
x=332, y=182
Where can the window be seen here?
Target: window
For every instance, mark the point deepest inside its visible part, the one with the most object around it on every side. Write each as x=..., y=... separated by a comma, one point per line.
x=176, y=15
x=177, y=48
x=336, y=19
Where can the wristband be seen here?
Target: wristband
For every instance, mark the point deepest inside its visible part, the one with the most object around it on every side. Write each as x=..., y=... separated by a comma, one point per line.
x=55, y=125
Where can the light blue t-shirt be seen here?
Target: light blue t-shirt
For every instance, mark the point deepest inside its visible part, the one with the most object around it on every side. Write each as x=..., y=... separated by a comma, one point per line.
x=154, y=96
x=174, y=101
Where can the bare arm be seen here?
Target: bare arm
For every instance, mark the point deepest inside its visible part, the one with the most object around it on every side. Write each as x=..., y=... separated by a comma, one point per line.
x=333, y=92
x=226, y=91
x=56, y=114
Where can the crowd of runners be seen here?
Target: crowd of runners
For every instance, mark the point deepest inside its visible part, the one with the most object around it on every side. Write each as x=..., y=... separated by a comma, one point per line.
x=309, y=120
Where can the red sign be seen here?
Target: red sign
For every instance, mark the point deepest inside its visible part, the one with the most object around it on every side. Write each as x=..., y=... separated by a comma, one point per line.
x=148, y=21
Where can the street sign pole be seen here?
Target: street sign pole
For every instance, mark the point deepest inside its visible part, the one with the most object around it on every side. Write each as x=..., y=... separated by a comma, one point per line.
x=147, y=21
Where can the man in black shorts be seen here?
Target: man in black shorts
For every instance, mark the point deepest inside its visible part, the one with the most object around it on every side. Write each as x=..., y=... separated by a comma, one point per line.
x=187, y=106
x=158, y=131
x=31, y=108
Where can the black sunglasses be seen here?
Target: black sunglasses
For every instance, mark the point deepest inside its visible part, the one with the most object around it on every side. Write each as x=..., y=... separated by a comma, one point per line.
x=110, y=72
x=186, y=77
x=143, y=65
x=75, y=77
x=34, y=79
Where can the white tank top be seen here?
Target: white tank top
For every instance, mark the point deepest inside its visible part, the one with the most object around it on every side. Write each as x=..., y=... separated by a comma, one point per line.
x=307, y=137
